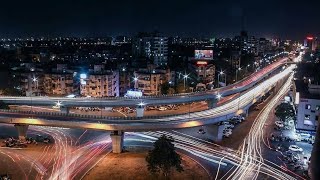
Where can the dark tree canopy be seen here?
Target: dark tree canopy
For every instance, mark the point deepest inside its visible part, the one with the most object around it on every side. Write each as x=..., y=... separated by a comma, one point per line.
x=3, y=105
x=163, y=157
x=285, y=111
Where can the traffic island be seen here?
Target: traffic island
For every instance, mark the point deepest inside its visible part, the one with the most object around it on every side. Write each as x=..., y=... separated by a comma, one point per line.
x=132, y=165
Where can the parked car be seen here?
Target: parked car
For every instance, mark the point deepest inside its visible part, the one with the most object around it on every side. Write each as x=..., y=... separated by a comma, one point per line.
x=238, y=117
x=201, y=131
x=295, y=148
x=227, y=130
x=279, y=124
x=226, y=134
x=229, y=126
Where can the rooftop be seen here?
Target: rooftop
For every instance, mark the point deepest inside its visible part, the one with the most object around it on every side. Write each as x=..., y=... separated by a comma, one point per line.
x=303, y=88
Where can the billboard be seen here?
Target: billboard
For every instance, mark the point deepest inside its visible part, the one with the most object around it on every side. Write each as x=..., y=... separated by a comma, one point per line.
x=203, y=54
x=202, y=63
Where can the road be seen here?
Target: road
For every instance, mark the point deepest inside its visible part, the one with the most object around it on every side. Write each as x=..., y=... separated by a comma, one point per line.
x=150, y=100
x=70, y=156
x=252, y=162
x=211, y=116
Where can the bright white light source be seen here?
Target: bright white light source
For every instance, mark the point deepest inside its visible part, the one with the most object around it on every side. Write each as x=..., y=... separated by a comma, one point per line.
x=83, y=76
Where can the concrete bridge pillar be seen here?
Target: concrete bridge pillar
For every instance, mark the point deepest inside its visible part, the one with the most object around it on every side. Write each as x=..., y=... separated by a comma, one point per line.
x=246, y=113
x=22, y=131
x=140, y=110
x=216, y=131
x=117, y=141
x=212, y=103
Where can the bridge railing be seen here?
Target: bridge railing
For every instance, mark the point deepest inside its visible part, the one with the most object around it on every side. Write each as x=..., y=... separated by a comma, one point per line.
x=172, y=95
x=61, y=114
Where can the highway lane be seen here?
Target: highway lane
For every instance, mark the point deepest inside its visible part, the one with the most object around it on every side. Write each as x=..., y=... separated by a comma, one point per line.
x=220, y=113
x=251, y=150
x=220, y=161
x=149, y=100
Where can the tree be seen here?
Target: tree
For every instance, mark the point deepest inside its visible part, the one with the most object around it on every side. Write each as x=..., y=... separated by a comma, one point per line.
x=163, y=157
x=171, y=91
x=285, y=111
x=180, y=88
x=3, y=105
x=165, y=88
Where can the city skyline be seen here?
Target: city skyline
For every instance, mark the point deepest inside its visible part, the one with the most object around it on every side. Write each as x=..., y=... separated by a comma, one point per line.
x=211, y=19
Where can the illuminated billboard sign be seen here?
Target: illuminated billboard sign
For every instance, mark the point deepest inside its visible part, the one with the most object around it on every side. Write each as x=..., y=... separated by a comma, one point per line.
x=310, y=38
x=202, y=62
x=203, y=54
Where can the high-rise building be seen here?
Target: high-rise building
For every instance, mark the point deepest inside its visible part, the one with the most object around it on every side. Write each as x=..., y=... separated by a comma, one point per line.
x=311, y=42
x=151, y=45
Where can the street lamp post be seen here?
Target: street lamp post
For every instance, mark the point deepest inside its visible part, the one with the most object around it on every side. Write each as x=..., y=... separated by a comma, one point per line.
x=247, y=68
x=239, y=69
x=135, y=82
x=225, y=78
x=185, y=77
x=35, y=82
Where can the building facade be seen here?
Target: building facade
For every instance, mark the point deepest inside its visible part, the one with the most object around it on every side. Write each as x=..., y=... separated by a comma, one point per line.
x=100, y=83
x=307, y=100
x=151, y=45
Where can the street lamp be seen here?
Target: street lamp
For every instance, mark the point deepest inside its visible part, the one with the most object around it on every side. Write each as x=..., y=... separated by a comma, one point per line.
x=135, y=82
x=239, y=69
x=219, y=96
x=58, y=104
x=141, y=104
x=225, y=78
x=36, y=85
x=185, y=77
x=247, y=68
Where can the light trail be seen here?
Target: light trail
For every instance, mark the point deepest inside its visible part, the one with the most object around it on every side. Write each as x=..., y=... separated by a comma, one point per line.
x=251, y=155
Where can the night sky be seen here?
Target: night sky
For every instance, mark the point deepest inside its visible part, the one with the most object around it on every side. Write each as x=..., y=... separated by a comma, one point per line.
x=268, y=18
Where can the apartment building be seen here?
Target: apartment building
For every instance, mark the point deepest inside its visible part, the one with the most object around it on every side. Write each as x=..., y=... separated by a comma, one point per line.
x=100, y=82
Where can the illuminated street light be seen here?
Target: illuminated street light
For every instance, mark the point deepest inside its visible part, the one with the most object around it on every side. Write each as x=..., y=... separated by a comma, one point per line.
x=185, y=77
x=225, y=78
x=58, y=103
x=239, y=69
x=219, y=96
x=141, y=104
x=135, y=82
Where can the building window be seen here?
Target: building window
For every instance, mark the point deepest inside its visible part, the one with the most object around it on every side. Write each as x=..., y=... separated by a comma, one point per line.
x=317, y=107
x=307, y=116
x=308, y=106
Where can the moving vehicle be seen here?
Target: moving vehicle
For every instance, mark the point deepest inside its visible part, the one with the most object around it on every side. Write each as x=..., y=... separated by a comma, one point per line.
x=295, y=148
x=162, y=109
